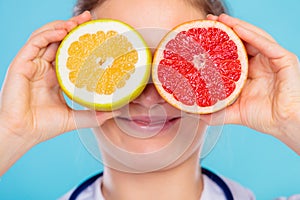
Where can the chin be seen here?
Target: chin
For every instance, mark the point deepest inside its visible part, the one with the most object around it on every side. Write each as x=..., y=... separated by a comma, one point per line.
x=164, y=148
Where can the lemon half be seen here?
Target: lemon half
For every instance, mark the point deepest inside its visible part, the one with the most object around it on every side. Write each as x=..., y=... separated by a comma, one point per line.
x=103, y=64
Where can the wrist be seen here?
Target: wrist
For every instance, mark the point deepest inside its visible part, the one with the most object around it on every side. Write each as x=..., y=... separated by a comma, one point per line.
x=12, y=147
x=18, y=131
x=289, y=133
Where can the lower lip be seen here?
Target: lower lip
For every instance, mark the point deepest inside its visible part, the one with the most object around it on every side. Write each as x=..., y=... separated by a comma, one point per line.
x=142, y=130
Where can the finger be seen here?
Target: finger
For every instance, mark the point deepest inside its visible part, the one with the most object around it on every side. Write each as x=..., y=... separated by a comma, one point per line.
x=50, y=53
x=232, y=22
x=226, y=116
x=23, y=63
x=83, y=17
x=232, y=114
x=49, y=26
x=266, y=47
x=67, y=25
x=75, y=21
x=90, y=118
x=33, y=47
x=250, y=49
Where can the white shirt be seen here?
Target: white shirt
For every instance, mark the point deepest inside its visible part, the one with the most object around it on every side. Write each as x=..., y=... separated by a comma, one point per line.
x=210, y=191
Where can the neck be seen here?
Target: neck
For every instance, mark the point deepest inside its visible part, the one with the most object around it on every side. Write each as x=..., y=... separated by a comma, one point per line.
x=181, y=182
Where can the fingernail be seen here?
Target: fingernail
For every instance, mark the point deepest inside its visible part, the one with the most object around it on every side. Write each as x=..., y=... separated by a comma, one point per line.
x=211, y=17
x=85, y=12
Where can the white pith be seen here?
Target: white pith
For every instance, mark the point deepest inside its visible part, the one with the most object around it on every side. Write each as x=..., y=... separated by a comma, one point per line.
x=123, y=95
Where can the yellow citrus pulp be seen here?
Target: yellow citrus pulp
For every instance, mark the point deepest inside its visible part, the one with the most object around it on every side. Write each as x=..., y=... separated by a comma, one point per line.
x=103, y=64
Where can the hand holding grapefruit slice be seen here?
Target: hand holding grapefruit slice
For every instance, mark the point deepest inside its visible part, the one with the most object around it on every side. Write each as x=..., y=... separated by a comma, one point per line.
x=103, y=64
x=200, y=66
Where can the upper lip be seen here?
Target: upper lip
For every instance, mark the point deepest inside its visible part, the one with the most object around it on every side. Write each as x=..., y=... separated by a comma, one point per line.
x=149, y=119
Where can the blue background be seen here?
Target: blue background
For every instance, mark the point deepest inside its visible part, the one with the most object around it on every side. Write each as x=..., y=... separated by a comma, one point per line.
x=50, y=169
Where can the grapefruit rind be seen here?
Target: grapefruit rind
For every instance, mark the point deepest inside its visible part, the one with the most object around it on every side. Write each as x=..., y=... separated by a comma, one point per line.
x=122, y=96
x=196, y=109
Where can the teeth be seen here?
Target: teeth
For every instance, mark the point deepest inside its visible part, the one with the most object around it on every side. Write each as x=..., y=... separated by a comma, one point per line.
x=142, y=122
x=147, y=123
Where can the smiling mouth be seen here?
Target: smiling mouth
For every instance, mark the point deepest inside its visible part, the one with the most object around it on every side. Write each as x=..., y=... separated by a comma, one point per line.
x=150, y=121
x=144, y=126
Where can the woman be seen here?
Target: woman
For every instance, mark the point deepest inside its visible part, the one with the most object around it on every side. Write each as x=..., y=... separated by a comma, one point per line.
x=26, y=122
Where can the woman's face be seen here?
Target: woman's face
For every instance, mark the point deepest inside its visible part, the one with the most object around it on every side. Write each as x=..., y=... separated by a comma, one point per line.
x=149, y=134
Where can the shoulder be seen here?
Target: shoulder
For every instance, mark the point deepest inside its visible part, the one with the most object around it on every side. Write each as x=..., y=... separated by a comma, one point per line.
x=239, y=191
x=92, y=191
x=213, y=191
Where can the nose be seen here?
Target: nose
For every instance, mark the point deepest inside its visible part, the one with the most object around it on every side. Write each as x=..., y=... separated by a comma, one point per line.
x=149, y=97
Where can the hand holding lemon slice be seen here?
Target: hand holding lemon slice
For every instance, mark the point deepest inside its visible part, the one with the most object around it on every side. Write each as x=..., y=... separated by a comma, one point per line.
x=103, y=64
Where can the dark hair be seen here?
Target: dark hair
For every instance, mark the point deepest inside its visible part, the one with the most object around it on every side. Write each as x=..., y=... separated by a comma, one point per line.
x=215, y=7
x=83, y=5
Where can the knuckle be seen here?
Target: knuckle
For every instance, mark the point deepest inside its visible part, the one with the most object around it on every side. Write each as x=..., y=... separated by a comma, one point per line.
x=292, y=59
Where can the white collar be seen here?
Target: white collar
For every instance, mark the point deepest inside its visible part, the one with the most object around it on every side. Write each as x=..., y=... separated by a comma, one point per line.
x=210, y=191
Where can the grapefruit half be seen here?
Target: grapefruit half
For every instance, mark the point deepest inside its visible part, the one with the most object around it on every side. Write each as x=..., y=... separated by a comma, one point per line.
x=200, y=66
x=103, y=64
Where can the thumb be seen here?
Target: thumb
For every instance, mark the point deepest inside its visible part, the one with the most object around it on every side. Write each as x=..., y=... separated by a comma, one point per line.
x=90, y=118
x=229, y=115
